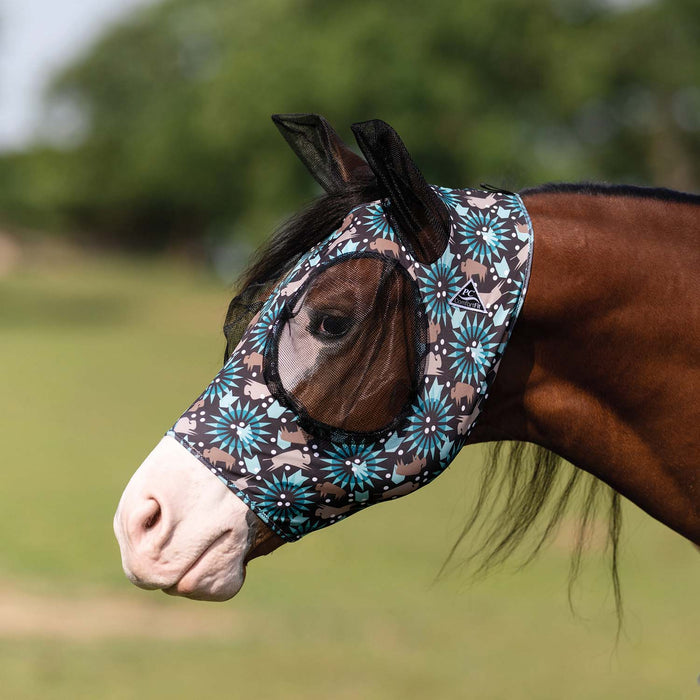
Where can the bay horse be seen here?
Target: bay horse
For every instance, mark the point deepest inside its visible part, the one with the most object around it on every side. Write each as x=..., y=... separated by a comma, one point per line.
x=601, y=369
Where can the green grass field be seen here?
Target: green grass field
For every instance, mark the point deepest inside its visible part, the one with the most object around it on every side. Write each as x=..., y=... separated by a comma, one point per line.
x=99, y=357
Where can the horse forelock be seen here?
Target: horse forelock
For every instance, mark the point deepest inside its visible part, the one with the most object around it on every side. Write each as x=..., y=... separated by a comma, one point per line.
x=296, y=236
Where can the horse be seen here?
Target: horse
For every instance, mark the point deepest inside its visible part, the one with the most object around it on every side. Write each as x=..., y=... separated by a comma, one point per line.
x=338, y=353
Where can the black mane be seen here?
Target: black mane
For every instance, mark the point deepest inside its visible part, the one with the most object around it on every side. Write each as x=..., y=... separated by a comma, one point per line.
x=324, y=214
x=281, y=252
x=662, y=194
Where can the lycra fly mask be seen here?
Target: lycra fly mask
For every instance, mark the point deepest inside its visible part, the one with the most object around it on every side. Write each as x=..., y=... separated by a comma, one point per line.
x=362, y=375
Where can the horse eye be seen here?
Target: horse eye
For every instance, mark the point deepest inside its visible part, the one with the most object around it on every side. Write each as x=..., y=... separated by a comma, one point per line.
x=329, y=327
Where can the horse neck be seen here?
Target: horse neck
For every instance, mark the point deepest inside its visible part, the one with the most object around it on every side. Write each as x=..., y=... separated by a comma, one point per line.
x=603, y=365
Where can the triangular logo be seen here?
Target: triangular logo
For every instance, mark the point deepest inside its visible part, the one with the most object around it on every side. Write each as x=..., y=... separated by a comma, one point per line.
x=468, y=298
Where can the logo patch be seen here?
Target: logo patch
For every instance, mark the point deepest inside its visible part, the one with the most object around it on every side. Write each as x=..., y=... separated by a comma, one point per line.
x=468, y=298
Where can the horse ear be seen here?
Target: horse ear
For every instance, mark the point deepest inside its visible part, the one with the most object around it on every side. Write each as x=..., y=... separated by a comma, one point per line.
x=332, y=164
x=421, y=216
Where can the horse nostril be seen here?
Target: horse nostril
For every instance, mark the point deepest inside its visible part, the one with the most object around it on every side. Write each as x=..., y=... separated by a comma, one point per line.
x=153, y=516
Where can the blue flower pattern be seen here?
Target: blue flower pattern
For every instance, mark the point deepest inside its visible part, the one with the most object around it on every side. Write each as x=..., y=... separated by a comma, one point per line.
x=377, y=223
x=484, y=236
x=228, y=380
x=428, y=426
x=238, y=430
x=473, y=350
x=353, y=467
x=282, y=497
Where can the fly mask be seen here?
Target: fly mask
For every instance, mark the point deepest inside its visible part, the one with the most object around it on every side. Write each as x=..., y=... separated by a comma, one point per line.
x=361, y=377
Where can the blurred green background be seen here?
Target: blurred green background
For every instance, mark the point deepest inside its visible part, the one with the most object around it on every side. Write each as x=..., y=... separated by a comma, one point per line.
x=121, y=228
x=159, y=136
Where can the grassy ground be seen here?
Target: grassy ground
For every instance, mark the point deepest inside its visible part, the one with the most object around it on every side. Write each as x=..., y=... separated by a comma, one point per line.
x=98, y=359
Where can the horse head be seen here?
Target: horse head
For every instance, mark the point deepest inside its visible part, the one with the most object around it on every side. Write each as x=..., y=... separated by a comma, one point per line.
x=357, y=380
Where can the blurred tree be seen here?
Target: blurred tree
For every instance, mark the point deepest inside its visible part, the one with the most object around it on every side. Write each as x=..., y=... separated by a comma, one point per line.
x=162, y=135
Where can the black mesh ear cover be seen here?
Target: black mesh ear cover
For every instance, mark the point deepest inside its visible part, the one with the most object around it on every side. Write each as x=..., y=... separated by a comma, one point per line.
x=332, y=164
x=422, y=218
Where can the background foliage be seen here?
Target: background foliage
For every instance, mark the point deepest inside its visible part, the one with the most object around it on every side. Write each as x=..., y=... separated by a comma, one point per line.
x=159, y=139
x=159, y=136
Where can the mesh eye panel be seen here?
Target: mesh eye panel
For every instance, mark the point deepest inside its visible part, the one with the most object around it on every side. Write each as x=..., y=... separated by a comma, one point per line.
x=348, y=353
